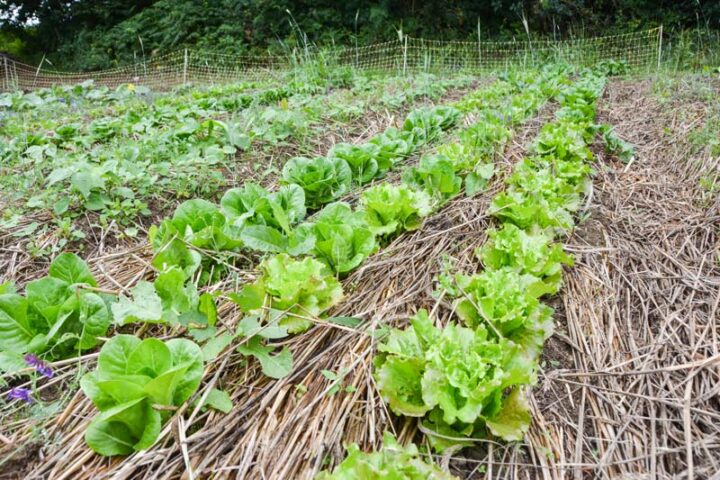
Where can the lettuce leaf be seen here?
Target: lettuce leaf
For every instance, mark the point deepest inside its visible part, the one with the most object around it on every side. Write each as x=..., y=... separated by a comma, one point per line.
x=322, y=179
x=393, y=461
x=134, y=376
x=529, y=252
x=342, y=238
x=58, y=316
x=299, y=289
x=457, y=379
x=390, y=209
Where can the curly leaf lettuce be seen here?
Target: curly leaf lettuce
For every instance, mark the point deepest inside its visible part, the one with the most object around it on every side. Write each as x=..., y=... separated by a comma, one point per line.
x=391, y=209
x=456, y=378
x=393, y=461
x=299, y=289
x=529, y=252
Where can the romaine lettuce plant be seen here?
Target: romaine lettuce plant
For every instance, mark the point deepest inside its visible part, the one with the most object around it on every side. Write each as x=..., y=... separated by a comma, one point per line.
x=455, y=378
x=389, y=208
x=299, y=289
x=394, y=145
x=469, y=162
x=426, y=124
x=135, y=386
x=265, y=220
x=342, y=237
x=393, y=461
x=60, y=314
x=199, y=223
x=322, y=179
x=435, y=174
x=363, y=160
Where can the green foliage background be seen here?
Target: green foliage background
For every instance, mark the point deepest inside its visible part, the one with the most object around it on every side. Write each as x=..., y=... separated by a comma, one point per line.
x=91, y=34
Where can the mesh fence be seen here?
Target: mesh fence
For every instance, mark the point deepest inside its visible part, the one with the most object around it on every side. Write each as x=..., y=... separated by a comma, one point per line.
x=640, y=51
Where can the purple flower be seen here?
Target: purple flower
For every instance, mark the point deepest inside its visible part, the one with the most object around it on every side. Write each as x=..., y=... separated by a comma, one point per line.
x=45, y=370
x=20, y=393
x=33, y=361
x=42, y=368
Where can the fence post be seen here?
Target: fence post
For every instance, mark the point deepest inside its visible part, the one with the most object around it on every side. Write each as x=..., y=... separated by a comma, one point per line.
x=185, y=66
x=660, y=46
x=37, y=72
x=405, y=54
x=6, y=74
x=479, y=47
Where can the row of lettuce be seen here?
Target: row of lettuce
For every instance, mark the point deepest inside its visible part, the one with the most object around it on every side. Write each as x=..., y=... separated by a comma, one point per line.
x=73, y=150
x=465, y=380
x=65, y=313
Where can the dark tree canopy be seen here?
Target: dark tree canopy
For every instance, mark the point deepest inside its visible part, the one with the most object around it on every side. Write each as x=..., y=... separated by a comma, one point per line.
x=87, y=34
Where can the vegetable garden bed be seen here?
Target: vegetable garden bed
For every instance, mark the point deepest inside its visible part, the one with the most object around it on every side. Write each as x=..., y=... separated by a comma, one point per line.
x=392, y=288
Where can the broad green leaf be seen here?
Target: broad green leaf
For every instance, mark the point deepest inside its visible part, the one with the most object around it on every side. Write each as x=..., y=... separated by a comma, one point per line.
x=215, y=345
x=514, y=418
x=399, y=381
x=15, y=330
x=264, y=239
x=145, y=306
x=71, y=269
x=123, y=429
x=161, y=388
x=150, y=358
x=274, y=366
x=219, y=400
x=115, y=355
x=186, y=352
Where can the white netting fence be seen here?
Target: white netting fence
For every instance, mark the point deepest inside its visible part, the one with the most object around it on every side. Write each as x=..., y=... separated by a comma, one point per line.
x=640, y=51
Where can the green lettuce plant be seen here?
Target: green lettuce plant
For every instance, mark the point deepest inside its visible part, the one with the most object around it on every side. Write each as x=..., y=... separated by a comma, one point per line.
x=342, y=238
x=435, y=174
x=60, y=315
x=393, y=146
x=362, y=159
x=392, y=461
x=322, y=179
x=136, y=386
x=427, y=123
x=455, y=378
x=391, y=208
x=507, y=303
x=299, y=289
x=198, y=223
x=265, y=220
x=528, y=252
